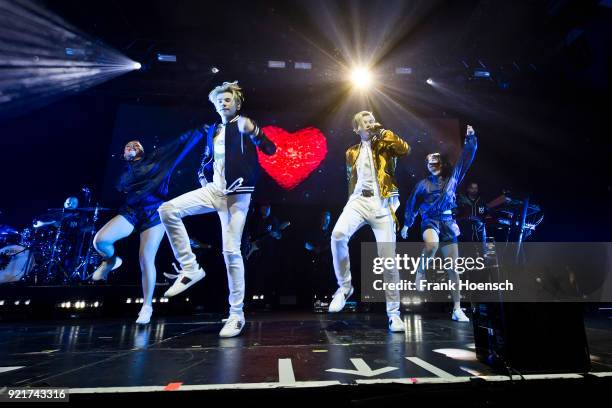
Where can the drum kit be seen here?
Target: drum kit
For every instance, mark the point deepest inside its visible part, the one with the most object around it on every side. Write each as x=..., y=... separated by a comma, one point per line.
x=56, y=250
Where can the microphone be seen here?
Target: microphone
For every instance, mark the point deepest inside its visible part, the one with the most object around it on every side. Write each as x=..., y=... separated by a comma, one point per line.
x=375, y=129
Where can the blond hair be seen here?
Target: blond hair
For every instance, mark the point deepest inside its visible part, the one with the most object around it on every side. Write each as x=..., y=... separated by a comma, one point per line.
x=231, y=87
x=357, y=119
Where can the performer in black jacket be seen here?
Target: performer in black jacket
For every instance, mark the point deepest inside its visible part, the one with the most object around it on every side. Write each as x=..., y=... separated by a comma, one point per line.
x=228, y=175
x=144, y=184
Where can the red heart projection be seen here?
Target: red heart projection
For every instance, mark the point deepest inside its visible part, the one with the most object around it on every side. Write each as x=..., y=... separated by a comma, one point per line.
x=297, y=154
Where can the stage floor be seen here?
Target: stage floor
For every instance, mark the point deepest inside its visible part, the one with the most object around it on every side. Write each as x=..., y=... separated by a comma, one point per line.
x=275, y=350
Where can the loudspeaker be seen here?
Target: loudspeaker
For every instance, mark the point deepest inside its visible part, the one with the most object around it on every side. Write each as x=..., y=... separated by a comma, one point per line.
x=531, y=337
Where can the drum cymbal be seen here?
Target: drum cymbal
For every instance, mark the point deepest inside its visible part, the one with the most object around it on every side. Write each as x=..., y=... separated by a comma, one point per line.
x=7, y=230
x=43, y=223
x=55, y=215
x=90, y=209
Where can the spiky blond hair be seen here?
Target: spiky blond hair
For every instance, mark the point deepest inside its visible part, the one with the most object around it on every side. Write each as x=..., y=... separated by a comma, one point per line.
x=231, y=87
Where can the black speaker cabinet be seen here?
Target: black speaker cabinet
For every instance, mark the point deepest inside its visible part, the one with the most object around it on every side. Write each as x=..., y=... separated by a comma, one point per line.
x=531, y=337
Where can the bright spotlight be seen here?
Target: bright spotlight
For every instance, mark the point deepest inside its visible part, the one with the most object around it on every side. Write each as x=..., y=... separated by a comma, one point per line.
x=361, y=78
x=44, y=58
x=430, y=81
x=137, y=65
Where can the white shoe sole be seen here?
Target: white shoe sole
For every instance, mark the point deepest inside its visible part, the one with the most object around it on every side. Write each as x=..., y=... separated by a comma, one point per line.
x=228, y=335
x=456, y=319
x=403, y=329
x=330, y=310
x=142, y=319
x=178, y=287
x=143, y=322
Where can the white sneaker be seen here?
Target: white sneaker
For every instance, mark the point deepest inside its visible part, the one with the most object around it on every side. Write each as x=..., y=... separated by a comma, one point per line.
x=339, y=300
x=144, y=316
x=232, y=327
x=396, y=324
x=459, y=316
x=106, y=267
x=184, y=280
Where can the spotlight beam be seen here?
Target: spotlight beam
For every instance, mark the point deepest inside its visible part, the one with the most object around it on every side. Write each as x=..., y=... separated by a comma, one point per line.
x=43, y=58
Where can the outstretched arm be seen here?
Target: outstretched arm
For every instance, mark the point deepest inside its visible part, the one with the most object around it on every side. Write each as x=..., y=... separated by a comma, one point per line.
x=465, y=160
x=175, y=150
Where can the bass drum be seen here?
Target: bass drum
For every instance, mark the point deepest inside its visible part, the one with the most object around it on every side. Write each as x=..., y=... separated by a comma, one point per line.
x=15, y=263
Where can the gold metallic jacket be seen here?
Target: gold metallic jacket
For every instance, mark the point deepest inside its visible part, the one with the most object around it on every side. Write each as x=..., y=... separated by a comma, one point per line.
x=386, y=148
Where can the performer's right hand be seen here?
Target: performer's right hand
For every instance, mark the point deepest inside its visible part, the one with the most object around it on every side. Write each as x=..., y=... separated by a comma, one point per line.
x=404, y=232
x=245, y=125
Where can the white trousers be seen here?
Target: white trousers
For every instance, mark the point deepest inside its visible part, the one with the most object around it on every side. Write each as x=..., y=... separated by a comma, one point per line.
x=358, y=212
x=232, y=211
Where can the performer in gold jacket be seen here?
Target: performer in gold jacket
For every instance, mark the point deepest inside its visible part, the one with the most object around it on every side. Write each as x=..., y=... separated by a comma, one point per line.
x=373, y=200
x=386, y=148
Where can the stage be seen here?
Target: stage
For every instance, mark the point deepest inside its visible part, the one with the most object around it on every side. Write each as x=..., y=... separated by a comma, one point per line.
x=353, y=156
x=344, y=356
